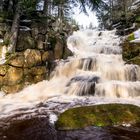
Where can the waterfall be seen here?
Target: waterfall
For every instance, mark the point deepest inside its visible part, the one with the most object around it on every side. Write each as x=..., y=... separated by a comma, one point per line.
x=96, y=74
x=96, y=71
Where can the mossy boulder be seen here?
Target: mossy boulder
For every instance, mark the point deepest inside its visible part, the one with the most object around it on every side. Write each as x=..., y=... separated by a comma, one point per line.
x=59, y=49
x=3, y=70
x=135, y=60
x=1, y=80
x=39, y=78
x=32, y=58
x=13, y=76
x=131, y=52
x=12, y=88
x=98, y=115
x=16, y=60
x=47, y=56
x=39, y=70
x=67, y=53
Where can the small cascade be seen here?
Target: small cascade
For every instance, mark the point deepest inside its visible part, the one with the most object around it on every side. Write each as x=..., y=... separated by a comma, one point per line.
x=98, y=68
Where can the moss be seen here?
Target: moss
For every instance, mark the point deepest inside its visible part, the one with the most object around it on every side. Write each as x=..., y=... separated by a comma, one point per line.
x=138, y=19
x=131, y=37
x=131, y=52
x=135, y=60
x=6, y=42
x=98, y=115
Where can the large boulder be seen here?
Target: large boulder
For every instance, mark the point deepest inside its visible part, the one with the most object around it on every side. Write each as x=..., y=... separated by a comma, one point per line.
x=59, y=49
x=98, y=115
x=47, y=56
x=12, y=88
x=17, y=60
x=13, y=76
x=131, y=52
x=34, y=74
x=3, y=70
x=1, y=80
x=32, y=58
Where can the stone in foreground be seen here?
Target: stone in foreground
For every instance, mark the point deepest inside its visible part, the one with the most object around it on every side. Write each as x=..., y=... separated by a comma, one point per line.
x=99, y=115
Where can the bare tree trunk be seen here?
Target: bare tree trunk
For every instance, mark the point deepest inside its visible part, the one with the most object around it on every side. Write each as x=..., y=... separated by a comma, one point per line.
x=45, y=9
x=1, y=5
x=14, y=30
x=50, y=7
x=60, y=15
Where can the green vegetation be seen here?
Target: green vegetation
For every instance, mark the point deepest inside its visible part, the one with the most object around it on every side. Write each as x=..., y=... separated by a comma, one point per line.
x=98, y=115
x=138, y=19
x=131, y=37
x=131, y=51
x=135, y=60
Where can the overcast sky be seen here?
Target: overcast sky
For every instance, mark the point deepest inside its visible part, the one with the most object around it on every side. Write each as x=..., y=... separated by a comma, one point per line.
x=83, y=19
x=80, y=17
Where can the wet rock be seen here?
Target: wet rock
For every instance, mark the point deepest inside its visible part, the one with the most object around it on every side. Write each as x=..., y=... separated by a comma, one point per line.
x=1, y=80
x=13, y=76
x=47, y=56
x=39, y=78
x=32, y=58
x=39, y=70
x=59, y=49
x=67, y=53
x=29, y=125
x=135, y=60
x=28, y=79
x=17, y=60
x=12, y=88
x=34, y=74
x=3, y=70
x=98, y=115
x=131, y=52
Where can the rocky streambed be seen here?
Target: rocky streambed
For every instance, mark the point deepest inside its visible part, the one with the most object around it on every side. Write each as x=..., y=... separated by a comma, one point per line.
x=39, y=122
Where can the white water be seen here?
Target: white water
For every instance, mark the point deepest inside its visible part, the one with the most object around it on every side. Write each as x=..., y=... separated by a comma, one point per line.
x=96, y=71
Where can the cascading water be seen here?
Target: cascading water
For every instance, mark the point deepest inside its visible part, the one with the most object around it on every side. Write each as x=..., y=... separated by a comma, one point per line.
x=95, y=74
x=96, y=69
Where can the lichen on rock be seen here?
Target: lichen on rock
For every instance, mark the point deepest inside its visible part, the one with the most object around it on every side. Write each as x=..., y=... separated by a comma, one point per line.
x=98, y=115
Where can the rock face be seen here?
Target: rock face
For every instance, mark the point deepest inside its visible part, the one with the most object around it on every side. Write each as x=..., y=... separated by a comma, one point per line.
x=37, y=46
x=131, y=52
x=98, y=115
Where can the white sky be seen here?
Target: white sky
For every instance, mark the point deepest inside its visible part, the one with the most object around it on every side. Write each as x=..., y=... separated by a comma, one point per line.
x=85, y=20
x=81, y=17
